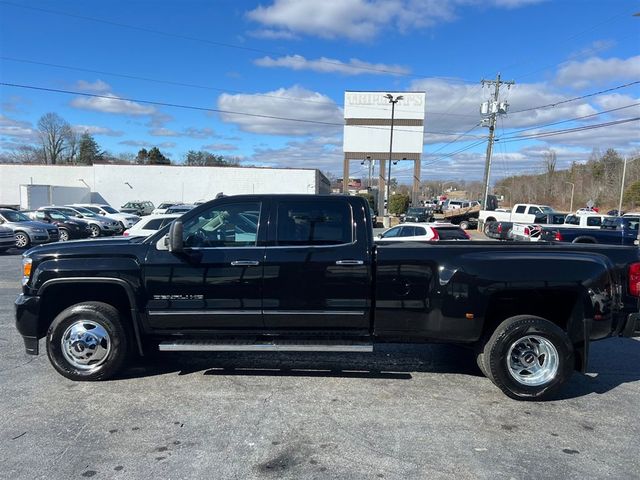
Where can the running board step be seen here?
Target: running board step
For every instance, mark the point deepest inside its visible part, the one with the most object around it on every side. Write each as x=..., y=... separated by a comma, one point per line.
x=266, y=346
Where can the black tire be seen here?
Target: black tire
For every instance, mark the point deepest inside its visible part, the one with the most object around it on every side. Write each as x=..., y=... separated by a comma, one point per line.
x=102, y=314
x=464, y=225
x=64, y=235
x=22, y=240
x=95, y=230
x=495, y=357
x=486, y=228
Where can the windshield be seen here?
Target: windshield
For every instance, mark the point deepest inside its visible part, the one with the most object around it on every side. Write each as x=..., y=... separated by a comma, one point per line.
x=416, y=210
x=85, y=211
x=13, y=216
x=93, y=209
x=109, y=209
x=547, y=209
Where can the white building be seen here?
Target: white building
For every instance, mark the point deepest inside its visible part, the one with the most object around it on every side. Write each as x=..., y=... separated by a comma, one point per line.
x=118, y=184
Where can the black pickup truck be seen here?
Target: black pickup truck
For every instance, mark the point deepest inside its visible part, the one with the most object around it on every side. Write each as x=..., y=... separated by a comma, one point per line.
x=301, y=273
x=613, y=231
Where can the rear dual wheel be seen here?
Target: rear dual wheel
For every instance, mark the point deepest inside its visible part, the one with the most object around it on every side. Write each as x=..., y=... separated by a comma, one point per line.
x=528, y=358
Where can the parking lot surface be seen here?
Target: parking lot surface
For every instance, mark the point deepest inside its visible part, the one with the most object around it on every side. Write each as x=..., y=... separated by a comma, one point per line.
x=403, y=412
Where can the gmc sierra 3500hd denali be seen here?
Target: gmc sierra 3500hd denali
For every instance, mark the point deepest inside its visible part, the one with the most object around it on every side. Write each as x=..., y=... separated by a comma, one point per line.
x=301, y=273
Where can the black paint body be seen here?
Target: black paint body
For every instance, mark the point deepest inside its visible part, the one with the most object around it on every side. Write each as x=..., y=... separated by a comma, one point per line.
x=445, y=291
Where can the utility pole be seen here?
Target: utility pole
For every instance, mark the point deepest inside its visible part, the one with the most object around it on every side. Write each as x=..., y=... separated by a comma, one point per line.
x=492, y=108
x=392, y=101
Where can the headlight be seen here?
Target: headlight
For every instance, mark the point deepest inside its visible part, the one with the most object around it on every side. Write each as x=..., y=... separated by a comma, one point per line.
x=37, y=230
x=26, y=269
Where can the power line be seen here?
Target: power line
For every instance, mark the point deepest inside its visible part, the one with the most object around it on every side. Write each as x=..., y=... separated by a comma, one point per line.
x=575, y=119
x=195, y=107
x=568, y=130
x=202, y=87
x=588, y=95
x=220, y=44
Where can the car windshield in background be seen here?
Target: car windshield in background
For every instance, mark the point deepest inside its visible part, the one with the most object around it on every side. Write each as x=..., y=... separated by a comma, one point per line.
x=451, y=233
x=85, y=211
x=109, y=209
x=547, y=209
x=59, y=216
x=13, y=216
x=416, y=211
x=95, y=210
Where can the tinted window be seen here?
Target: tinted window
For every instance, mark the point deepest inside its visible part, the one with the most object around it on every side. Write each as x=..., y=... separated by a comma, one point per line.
x=394, y=232
x=594, y=221
x=407, y=232
x=13, y=216
x=314, y=223
x=557, y=219
x=93, y=209
x=521, y=209
x=450, y=233
x=534, y=210
x=420, y=232
x=153, y=224
x=223, y=226
x=167, y=221
x=572, y=220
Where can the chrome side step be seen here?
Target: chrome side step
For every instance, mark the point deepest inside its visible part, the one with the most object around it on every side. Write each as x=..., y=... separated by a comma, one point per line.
x=267, y=346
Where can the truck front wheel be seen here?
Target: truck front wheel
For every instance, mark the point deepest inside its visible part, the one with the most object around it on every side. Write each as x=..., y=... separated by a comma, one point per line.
x=528, y=358
x=87, y=341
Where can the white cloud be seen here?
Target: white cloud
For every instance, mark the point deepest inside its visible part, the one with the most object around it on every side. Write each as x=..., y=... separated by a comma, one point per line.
x=269, y=34
x=330, y=65
x=98, y=86
x=598, y=71
x=190, y=132
x=16, y=128
x=317, y=152
x=362, y=20
x=308, y=106
x=136, y=143
x=96, y=130
x=167, y=144
x=220, y=146
x=108, y=102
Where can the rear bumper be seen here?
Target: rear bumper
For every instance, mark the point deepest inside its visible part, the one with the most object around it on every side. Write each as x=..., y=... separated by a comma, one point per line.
x=27, y=321
x=632, y=326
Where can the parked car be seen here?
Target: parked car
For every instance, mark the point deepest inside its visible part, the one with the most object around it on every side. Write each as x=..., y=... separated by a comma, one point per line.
x=182, y=208
x=138, y=207
x=308, y=278
x=432, y=232
x=613, y=231
x=162, y=208
x=150, y=225
x=531, y=232
x=27, y=232
x=7, y=238
x=499, y=230
x=126, y=220
x=418, y=215
x=69, y=228
x=98, y=224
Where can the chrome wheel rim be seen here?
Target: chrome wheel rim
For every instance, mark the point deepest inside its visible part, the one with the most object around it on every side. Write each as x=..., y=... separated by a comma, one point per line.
x=85, y=345
x=21, y=240
x=533, y=361
x=64, y=236
x=95, y=231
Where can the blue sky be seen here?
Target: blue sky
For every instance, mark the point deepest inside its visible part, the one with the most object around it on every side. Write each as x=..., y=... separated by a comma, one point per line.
x=295, y=59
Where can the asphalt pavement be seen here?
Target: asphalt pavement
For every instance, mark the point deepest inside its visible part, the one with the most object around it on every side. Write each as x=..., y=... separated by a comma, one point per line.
x=403, y=412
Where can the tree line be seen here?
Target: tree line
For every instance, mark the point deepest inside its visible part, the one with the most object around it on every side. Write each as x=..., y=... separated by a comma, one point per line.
x=58, y=143
x=599, y=180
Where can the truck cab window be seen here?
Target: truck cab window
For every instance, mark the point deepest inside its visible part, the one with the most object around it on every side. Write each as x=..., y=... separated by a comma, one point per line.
x=232, y=225
x=521, y=209
x=314, y=223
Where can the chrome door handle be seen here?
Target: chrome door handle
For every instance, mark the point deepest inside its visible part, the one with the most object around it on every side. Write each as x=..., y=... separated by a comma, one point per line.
x=349, y=262
x=245, y=263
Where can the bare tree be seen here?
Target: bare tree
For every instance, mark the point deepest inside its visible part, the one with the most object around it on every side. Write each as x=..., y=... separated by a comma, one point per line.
x=549, y=162
x=72, y=142
x=53, y=131
x=27, y=154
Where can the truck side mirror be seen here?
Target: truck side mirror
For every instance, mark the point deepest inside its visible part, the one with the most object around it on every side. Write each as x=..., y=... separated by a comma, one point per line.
x=175, y=236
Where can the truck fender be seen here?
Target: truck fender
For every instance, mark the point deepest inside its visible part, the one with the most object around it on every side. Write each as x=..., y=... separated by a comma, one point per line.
x=584, y=239
x=117, y=281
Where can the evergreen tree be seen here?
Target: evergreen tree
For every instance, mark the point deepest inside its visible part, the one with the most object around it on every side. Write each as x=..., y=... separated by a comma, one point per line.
x=155, y=157
x=89, y=150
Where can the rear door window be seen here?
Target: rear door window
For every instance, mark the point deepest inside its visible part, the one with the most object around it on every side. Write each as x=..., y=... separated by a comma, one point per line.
x=314, y=223
x=521, y=208
x=572, y=220
x=407, y=232
x=594, y=221
x=450, y=233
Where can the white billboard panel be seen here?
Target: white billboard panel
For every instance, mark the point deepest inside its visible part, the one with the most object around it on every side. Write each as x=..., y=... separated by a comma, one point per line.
x=359, y=138
x=376, y=105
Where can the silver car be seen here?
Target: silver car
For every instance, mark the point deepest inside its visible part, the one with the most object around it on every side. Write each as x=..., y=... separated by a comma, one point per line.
x=26, y=231
x=7, y=239
x=98, y=224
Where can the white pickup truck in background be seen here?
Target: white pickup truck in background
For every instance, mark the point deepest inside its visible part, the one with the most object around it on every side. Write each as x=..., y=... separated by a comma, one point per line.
x=520, y=213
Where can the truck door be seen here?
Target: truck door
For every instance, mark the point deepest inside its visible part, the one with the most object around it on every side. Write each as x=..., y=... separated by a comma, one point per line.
x=317, y=272
x=216, y=282
x=519, y=215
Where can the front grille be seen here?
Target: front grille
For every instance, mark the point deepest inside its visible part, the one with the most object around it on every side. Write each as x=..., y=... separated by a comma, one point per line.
x=6, y=234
